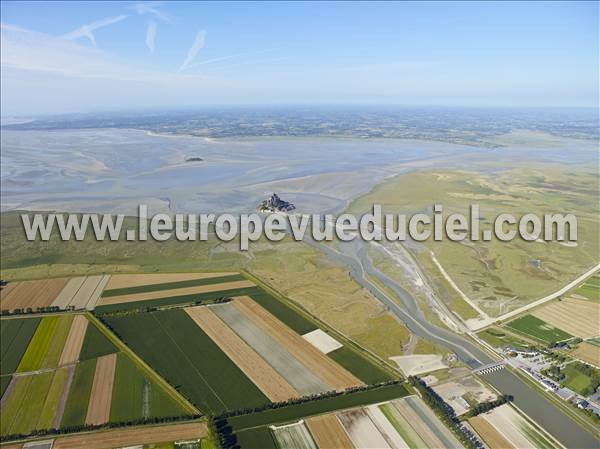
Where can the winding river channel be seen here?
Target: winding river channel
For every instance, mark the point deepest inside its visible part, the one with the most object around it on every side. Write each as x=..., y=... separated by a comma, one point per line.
x=353, y=254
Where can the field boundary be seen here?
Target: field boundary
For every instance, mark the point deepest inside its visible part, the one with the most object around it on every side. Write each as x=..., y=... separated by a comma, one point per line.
x=346, y=340
x=143, y=365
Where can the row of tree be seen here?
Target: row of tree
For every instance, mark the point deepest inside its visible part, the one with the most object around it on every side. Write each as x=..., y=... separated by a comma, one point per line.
x=446, y=414
x=483, y=407
x=88, y=427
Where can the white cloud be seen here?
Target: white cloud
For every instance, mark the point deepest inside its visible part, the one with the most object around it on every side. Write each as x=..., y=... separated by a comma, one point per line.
x=194, y=49
x=87, y=29
x=151, y=35
x=150, y=9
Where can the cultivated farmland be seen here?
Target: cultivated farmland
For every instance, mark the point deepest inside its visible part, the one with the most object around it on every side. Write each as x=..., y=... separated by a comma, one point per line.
x=98, y=411
x=294, y=436
x=492, y=437
x=175, y=346
x=538, y=329
x=31, y=294
x=271, y=383
x=328, y=433
x=578, y=317
x=307, y=354
x=15, y=335
x=298, y=374
x=107, y=439
x=52, y=388
x=119, y=281
x=588, y=353
x=520, y=432
x=176, y=292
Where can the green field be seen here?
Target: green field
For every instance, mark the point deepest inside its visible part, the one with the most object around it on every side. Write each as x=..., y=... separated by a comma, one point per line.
x=590, y=288
x=24, y=406
x=79, y=394
x=132, y=390
x=47, y=344
x=499, y=339
x=15, y=335
x=95, y=344
x=297, y=411
x=172, y=300
x=260, y=438
x=188, y=359
x=283, y=312
x=170, y=285
x=581, y=378
x=538, y=329
x=357, y=365
x=46, y=418
x=33, y=357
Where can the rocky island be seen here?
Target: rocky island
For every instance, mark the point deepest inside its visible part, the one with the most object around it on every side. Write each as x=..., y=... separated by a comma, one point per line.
x=275, y=204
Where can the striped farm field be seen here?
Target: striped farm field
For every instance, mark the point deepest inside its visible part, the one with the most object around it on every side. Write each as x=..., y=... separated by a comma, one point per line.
x=517, y=430
x=538, y=329
x=328, y=433
x=31, y=294
x=588, y=353
x=120, y=281
x=300, y=376
x=15, y=335
x=181, y=352
x=23, y=407
x=176, y=292
x=293, y=436
x=492, y=438
x=98, y=411
x=361, y=429
x=134, y=437
x=179, y=282
x=330, y=372
x=578, y=317
x=79, y=394
x=135, y=397
x=271, y=383
x=47, y=344
x=72, y=347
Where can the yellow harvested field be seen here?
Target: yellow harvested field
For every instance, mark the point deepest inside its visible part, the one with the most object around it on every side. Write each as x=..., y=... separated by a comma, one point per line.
x=133, y=436
x=307, y=354
x=64, y=298
x=271, y=383
x=6, y=289
x=90, y=292
x=588, y=353
x=72, y=348
x=98, y=411
x=32, y=294
x=578, y=317
x=492, y=438
x=136, y=280
x=328, y=433
x=175, y=292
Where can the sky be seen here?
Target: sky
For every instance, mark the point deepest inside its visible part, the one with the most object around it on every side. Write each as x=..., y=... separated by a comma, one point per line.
x=59, y=57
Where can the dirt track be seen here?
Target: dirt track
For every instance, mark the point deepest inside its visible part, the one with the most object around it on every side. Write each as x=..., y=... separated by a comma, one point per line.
x=175, y=292
x=307, y=354
x=328, y=433
x=70, y=353
x=136, y=280
x=274, y=386
x=98, y=411
x=133, y=436
x=32, y=294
